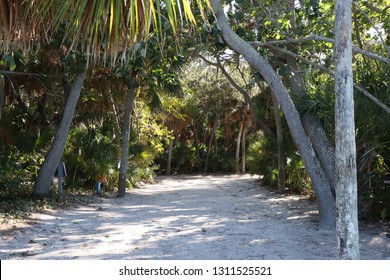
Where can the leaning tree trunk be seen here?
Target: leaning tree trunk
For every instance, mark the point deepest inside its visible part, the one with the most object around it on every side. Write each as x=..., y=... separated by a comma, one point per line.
x=122, y=181
x=49, y=166
x=345, y=162
x=321, y=185
x=314, y=129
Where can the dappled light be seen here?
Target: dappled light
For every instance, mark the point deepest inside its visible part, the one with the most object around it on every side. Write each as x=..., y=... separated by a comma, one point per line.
x=185, y=217
x=269, y=119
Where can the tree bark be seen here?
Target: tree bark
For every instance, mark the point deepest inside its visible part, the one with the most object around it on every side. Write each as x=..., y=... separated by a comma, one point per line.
x=168, y=171
x=49, y=166
x=347, y=229
x=243, y=150
x=125, y=137
x=321, y=186
x=280, y=144
x=238, y=143
x=315, y=131
x=2, y=95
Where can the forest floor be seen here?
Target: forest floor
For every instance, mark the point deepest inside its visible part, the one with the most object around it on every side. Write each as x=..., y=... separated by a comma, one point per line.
x=185, y=217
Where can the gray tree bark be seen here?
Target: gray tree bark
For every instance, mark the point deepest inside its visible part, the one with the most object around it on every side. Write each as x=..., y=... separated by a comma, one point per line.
x=315, y=131
x=52, y=159
x=281, y=153
x=347, y=229
x=321, y=185
x=125, y=138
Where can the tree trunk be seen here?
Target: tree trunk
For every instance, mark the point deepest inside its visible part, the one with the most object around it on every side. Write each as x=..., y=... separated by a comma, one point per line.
x=196, y=143
x=125, y=137
x=245, y=94
x=213, y=132
x=2, y=95
x=315, y=131
x=168, y=171
x=279, y=139
x=321, y=185
x=117, y=128
x=49, y=166
x=243, y=150
x=345, y=162
x=238, y=144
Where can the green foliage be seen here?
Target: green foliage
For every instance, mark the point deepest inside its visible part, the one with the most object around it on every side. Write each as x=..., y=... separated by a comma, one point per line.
x=17, y=173
x=90, y=155
x=262, y=160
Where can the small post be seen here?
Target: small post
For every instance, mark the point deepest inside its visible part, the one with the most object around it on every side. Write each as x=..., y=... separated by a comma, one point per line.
x=98, y=184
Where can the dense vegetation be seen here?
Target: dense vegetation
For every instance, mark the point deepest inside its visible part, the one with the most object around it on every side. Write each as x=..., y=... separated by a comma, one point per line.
x=198, y=106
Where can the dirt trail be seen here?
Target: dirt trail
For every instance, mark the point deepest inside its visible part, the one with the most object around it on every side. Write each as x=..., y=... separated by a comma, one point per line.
x=187, y=217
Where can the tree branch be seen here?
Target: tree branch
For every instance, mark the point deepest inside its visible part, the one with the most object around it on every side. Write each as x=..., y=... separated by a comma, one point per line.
x=332, y=73
x=246, y=95
x=373, y=26
x=19, y=73
x=323, y=39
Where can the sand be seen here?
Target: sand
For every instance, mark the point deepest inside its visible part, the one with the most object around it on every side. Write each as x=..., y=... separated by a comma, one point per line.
x=218, y=217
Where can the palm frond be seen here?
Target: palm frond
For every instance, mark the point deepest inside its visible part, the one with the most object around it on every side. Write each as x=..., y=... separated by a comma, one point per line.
x=103, y=28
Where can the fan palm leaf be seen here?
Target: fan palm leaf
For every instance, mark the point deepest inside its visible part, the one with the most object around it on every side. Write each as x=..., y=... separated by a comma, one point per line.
x=103, y=28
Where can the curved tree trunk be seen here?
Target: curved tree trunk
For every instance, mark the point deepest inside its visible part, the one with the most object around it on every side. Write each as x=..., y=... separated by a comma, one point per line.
x=315, y=131
x=49, y=166
x=347, y=229
x=122, y=182
x=325, y=200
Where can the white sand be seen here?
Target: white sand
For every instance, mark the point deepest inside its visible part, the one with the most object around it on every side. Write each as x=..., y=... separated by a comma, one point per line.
x=186, y=217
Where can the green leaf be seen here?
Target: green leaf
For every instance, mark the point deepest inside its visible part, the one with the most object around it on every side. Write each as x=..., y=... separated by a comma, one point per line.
x=10, y=62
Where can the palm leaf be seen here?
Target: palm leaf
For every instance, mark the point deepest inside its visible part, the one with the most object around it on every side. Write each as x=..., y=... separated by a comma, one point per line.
x=101, y=27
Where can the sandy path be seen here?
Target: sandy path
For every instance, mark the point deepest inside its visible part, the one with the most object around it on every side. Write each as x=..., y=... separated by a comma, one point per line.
x=187, y=217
